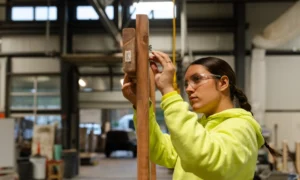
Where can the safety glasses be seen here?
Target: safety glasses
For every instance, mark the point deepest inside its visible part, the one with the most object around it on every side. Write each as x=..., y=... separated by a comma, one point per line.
x=197, y=80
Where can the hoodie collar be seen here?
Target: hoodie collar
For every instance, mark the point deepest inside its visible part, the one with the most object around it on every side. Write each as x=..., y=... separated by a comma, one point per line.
x=228, y=113
x=234, y=113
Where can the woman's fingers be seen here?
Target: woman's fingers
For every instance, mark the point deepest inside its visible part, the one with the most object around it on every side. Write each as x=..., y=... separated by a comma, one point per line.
x=126, y=85
x=160, y=59
x=126, y=78
x=154, y=68
x=164, y=56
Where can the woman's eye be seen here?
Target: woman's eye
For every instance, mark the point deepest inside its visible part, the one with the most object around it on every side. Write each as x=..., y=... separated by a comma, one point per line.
x=196, y=79
x=186, y=84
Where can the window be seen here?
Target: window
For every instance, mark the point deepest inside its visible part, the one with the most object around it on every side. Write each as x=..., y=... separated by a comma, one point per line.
x=35, y=93
x=22, y=14
x=89, y=13
x=23, y=84
x=43, y=13
x=96, y=128
x=154, y=10
x=30, y=13
x=24, y=102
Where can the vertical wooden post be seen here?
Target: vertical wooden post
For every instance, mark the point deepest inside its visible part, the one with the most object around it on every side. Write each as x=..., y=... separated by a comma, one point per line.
x=271, y=158
x=152, y=96
x=297, y=147
x=276, y=135
x=142, y=44
x=284, y=157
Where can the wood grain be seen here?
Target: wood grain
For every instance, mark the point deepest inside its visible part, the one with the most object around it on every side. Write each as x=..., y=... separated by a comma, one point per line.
x=298, y=157
x=142, y=44
x=129, y=51
x=285, y=156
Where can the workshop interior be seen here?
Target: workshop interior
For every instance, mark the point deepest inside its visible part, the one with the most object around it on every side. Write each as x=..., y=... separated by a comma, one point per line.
x=62, y=65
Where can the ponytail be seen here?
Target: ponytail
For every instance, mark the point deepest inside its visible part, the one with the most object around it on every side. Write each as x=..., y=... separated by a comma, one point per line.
x=272, y=151
x=243, y=103
x=242, y=98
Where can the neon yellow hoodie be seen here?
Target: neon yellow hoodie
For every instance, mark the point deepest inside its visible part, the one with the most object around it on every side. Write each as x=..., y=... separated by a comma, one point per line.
x=223, y=146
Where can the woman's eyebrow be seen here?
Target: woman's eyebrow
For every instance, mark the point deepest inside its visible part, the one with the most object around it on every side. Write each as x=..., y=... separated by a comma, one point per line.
x=194, y=75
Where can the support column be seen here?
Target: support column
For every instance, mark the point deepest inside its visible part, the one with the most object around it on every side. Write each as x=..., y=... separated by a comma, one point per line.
x=240, y=43
x=69, y=104
x=69, y=84
x=126, y=19
x=7, y=85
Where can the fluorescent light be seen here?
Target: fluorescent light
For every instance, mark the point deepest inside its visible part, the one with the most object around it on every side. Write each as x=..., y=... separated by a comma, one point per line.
x=82, y=83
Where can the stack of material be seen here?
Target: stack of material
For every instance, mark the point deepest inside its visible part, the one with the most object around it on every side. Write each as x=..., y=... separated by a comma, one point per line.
x=43, y=135
x=88, y=145
x=93, y=142
x=83, y=140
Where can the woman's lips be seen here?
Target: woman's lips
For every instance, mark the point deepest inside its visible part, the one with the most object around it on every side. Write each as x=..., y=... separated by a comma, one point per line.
x=192, y=99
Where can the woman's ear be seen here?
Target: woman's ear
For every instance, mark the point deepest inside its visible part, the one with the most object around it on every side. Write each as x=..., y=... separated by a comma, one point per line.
x=223, y=83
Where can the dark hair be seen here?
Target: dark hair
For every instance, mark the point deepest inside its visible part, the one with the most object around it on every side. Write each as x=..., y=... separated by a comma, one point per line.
x=220, y=67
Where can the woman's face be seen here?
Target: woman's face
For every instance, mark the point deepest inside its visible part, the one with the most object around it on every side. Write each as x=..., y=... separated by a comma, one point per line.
x=202, y=90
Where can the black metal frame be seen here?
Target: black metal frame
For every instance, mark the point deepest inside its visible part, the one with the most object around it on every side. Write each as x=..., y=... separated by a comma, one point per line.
x=46, y=112
x=93, y=26
x=240, y=43
x=7, y=86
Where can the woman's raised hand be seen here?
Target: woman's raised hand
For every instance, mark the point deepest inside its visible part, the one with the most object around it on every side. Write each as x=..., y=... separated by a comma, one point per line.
x=163, y=79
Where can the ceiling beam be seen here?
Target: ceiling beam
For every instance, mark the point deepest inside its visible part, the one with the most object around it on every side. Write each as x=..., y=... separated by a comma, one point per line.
x=108, y=24
x=233, y=1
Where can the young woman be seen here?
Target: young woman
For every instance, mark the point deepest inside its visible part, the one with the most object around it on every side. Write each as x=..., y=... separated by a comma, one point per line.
x=223, y=144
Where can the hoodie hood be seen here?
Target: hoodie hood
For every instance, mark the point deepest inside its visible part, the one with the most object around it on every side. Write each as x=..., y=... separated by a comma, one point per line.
x=236, y=113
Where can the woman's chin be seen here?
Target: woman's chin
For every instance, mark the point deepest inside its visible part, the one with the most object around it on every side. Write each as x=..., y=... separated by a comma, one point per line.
x=197, y=107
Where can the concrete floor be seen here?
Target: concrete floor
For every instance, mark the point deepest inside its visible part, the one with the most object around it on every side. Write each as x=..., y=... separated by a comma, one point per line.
x=120, y=167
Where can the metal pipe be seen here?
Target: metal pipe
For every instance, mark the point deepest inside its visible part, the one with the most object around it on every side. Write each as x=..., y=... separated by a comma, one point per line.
x=110, y=27
x=183, y=28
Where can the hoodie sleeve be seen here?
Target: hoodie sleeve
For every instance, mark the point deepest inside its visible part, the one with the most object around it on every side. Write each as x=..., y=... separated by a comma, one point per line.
x=162, y=151
x=218, y=154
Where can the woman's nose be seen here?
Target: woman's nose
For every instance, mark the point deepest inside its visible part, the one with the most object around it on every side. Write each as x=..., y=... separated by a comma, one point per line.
x=189, y=88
